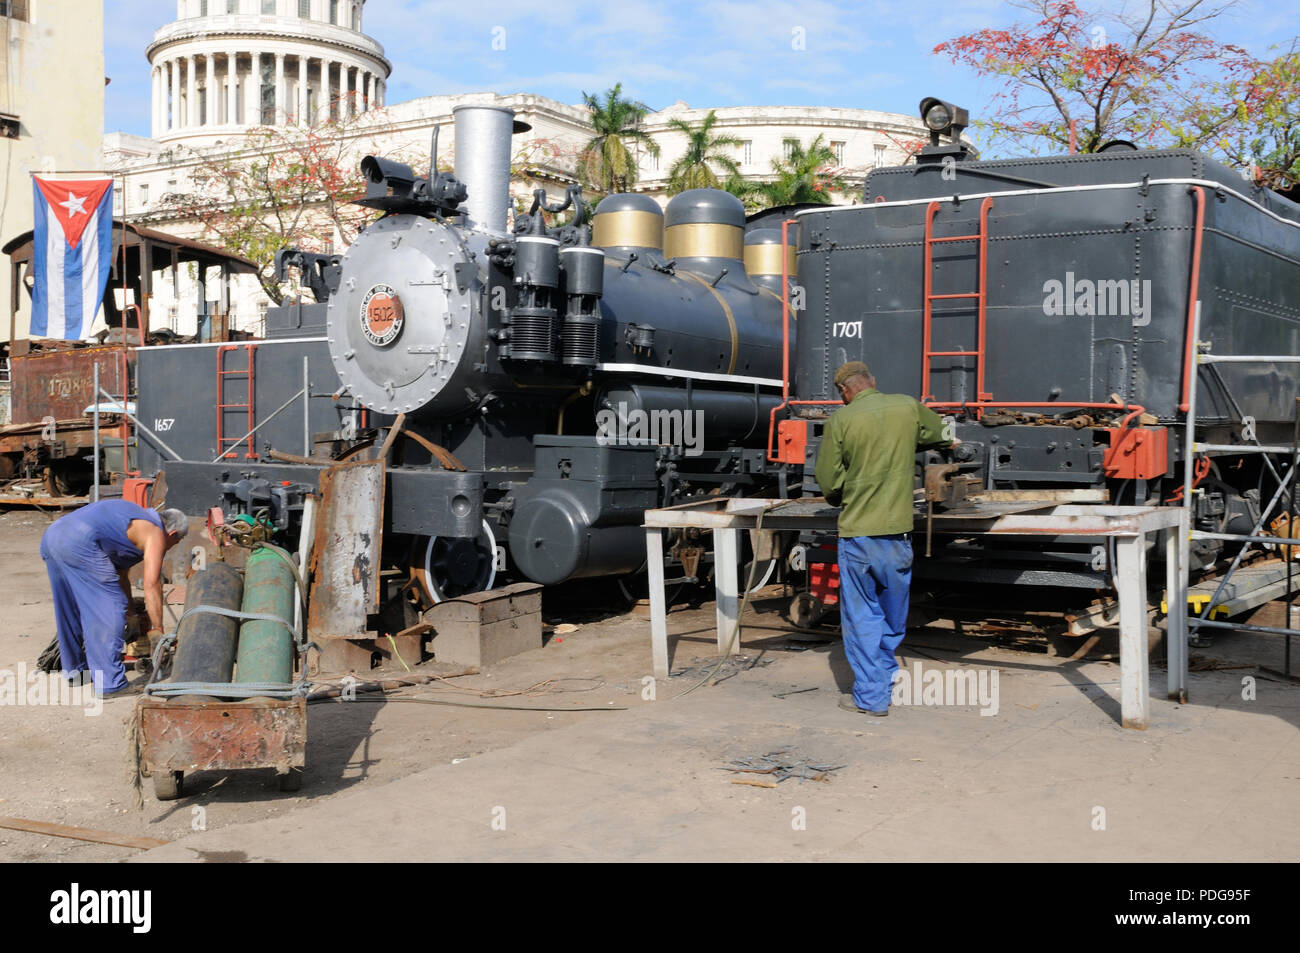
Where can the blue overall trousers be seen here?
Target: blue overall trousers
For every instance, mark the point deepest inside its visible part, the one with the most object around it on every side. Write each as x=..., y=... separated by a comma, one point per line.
x=875, y=583
x=84, y=552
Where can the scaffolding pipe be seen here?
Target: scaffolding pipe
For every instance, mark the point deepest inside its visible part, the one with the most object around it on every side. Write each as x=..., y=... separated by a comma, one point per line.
x=1246, y=627
x=1176, y=641
x=1237, y=537
x=306, y=409
x=1239, y=448
x=1250, y=359
x=1290, y=531
x=1292, y=477
x=1254, y=533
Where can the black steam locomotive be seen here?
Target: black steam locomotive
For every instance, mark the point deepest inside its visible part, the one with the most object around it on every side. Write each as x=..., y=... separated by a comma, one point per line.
x=556, y=383
x=559, y=384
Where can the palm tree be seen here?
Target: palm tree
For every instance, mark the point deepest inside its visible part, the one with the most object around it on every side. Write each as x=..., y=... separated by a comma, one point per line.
x=606, y=163
x=745, y=190
x=802, y=176
x=693, y=169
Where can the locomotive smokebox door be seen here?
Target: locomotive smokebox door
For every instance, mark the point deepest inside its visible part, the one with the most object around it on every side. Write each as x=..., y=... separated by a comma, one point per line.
x=405, y=318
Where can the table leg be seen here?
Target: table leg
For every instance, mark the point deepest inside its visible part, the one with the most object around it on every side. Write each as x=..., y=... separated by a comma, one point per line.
x=654, y=558
x=1131, y=584
x=1176, y=620
x=726, y=569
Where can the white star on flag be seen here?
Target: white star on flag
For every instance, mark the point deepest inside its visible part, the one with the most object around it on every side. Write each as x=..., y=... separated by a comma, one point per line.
x=75, y=204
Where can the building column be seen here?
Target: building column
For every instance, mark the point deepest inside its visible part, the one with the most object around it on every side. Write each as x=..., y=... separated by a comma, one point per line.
x=345, y=91
x=153, y=102
x=232, y=89
x=173, y=105
x=368, y=101
x=210, y=93
x=191, y=93
x=323, y=112
x=303, y=119
x=383, y=92
x=279, y=89
x=253, y=92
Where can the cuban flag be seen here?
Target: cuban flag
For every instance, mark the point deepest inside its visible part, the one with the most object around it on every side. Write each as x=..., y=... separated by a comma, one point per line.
x=72, y=253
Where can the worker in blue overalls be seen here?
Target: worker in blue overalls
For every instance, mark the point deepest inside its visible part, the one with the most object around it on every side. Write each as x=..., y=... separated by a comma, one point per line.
x=88, y=554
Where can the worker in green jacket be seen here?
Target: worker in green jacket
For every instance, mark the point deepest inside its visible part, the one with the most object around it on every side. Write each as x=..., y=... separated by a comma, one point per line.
x=866, y=464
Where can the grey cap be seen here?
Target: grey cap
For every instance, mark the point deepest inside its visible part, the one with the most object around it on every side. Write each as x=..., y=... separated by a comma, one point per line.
x=628, y=202
x=849, y=371
x=763, y=236
x=705, y=206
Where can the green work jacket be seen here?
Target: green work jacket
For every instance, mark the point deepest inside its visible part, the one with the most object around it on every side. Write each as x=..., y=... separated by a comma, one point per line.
x=867, y=460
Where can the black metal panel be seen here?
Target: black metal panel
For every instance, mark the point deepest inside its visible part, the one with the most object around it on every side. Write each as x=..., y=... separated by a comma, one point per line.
x=178, y=399
x=580, y=515
x=863, y=270
x=435, y=502
x=297, y=319
x=692, y=319
x=197, y=487
x=900, y=183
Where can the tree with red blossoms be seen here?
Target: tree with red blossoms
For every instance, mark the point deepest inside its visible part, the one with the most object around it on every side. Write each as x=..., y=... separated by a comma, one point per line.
x=283, y=186
x=1073, y=77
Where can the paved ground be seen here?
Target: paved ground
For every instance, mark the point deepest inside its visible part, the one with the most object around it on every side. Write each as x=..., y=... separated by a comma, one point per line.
x=1050, y=776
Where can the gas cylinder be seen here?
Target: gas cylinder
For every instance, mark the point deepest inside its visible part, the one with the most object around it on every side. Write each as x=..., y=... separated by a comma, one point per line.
x=266, y=648
x=205, y=641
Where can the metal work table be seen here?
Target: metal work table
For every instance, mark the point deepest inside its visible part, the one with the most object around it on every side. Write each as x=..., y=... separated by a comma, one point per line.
x=1129, y=525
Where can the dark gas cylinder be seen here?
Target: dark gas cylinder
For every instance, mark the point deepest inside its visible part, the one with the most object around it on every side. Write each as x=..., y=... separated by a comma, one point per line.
x=205, y=641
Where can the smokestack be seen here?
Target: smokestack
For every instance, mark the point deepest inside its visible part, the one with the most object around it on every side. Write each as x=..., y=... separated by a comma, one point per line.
x=483, y=163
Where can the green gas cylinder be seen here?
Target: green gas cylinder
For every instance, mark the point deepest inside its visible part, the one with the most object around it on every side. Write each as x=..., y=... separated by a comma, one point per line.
x=266, y=648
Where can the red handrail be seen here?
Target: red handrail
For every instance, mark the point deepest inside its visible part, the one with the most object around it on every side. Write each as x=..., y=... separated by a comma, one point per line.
x=983, y=306
x=927, y=259
x=785, y=346
x=785, y=336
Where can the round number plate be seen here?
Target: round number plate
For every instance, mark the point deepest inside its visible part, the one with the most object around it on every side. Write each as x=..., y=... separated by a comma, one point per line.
x=381, y=315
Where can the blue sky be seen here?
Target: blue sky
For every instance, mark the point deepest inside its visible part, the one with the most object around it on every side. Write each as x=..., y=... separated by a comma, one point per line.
x=871, y=54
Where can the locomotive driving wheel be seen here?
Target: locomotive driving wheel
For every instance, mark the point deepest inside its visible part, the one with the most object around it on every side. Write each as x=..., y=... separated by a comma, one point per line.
x=448, y=567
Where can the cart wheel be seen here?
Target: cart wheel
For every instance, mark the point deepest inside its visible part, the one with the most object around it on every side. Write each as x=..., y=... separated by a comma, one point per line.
x=167, y=785
x=291, y=780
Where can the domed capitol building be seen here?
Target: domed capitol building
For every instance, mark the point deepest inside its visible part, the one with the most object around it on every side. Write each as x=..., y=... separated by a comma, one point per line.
x=225, y=65
x=225, y=68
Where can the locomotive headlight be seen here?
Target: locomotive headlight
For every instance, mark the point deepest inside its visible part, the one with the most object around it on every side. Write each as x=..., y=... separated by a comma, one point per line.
x=943, y=119
x=937, y=117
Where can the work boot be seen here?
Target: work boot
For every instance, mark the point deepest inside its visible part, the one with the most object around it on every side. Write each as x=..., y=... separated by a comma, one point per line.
x=848, y=704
